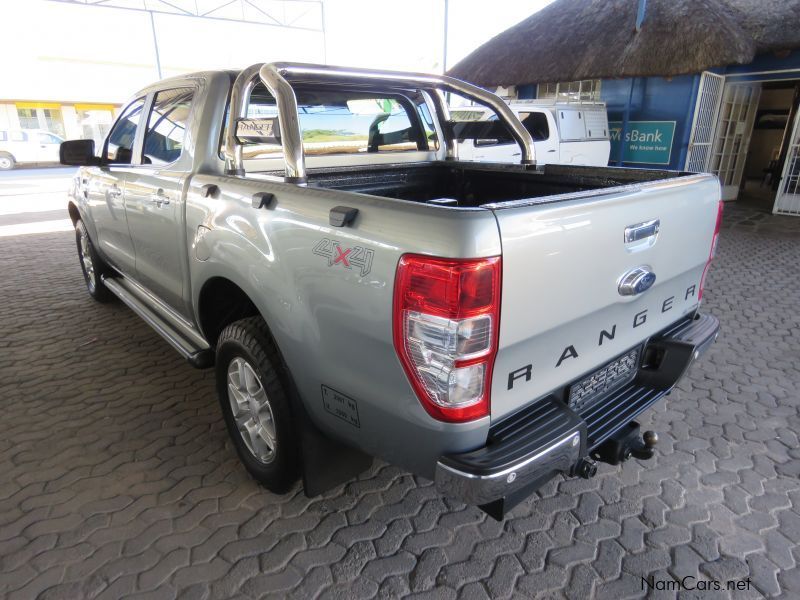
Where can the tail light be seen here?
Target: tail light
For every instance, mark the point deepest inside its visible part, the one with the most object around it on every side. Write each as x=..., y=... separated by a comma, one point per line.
x=714, y=241
x=446, y=321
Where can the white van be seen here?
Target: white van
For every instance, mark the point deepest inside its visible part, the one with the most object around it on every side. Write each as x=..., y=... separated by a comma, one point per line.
x=28, y=146
x=563, y=133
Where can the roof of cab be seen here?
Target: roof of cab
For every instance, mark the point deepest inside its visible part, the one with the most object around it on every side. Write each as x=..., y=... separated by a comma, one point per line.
x=210, y=74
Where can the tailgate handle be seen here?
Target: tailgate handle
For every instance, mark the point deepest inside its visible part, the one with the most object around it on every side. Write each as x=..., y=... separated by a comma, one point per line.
x=641, y=231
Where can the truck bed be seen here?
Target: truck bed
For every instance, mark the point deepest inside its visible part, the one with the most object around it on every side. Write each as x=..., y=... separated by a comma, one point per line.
x=468, y=184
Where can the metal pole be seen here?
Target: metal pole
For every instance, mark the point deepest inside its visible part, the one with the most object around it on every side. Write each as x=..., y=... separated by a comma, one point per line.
x=155, y=44
x=640, y=15
x=444, y=49
x=324, y=35
x=625, y=118
x=687, y=134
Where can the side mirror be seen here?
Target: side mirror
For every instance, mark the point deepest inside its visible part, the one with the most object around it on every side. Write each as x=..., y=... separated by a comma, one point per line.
x=78, y=153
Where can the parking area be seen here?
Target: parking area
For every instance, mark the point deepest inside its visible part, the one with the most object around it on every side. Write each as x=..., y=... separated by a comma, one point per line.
x=117, y=477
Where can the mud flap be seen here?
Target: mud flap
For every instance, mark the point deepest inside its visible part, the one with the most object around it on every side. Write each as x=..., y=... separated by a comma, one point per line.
x=326, y=463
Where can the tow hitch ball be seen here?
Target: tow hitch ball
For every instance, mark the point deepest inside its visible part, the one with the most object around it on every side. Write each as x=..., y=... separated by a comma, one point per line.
x=627, y=443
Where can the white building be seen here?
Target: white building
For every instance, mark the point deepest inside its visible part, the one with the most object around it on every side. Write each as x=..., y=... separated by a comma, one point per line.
x=68, y=65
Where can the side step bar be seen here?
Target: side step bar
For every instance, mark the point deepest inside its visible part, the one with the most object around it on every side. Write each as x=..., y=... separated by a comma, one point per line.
x=186, y=340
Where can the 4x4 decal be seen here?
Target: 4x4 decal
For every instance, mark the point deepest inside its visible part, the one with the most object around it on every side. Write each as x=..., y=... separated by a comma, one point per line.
x=357, y=256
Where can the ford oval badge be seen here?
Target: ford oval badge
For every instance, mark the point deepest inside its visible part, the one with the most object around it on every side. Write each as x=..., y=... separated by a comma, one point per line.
x=636, y=281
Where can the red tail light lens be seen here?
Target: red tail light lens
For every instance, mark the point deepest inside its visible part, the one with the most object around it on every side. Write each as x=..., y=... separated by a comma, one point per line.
x=714, y=242
x=446, y=321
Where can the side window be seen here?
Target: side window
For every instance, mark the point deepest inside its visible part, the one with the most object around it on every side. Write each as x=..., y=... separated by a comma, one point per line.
x=119, y=145
x=536, y=124
x=3, y=136
x=166, y=126
x=47, y=138
x=18, y=136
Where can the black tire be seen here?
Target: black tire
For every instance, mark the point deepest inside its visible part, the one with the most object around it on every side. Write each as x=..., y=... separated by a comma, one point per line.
x=249, y=340
x=7, y=161
x=92, y=273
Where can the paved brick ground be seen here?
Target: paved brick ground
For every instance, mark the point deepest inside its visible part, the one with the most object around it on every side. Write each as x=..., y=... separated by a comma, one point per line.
x=116, y=477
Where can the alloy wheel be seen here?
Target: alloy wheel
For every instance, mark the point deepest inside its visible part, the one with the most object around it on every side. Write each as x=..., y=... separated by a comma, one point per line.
x=86, y=256
x=251, y=410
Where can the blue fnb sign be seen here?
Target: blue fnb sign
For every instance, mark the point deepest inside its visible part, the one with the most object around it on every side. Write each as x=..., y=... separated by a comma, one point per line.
x=646, y=142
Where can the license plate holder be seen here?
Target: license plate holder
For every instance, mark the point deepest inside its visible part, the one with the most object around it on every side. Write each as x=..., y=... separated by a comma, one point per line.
x=607, y=378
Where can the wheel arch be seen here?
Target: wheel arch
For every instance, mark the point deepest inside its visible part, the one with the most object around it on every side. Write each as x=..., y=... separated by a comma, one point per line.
x=325, y=461
x=220, y=303
x=74, y=213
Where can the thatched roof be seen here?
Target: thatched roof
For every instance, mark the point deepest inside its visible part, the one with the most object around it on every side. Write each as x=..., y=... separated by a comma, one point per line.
x=773, y=24
x=589, y=39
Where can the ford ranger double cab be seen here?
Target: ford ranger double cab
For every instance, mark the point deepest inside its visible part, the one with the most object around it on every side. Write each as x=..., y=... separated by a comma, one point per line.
x=309, y=232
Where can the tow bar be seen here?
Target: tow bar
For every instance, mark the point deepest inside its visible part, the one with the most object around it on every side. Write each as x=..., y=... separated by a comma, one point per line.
x=627, y=443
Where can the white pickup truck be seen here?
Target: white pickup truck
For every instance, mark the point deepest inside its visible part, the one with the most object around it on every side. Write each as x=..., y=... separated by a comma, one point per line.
x=28, y=146
x=308, y=232
x=563, y=133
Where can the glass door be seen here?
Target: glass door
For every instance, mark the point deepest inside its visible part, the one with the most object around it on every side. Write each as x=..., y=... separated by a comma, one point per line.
x=787, y=202
x=734, y=126
x=706, y=110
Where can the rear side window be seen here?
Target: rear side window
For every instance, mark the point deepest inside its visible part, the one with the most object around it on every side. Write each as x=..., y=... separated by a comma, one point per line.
x=536, y=124
x=48, y=138
x=166, y=126
x=345, y=122
x=3, y=136
x=119, y=145
x=18, y=136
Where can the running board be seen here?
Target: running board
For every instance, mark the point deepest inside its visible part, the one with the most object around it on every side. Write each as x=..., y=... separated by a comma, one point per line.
x=188, y=342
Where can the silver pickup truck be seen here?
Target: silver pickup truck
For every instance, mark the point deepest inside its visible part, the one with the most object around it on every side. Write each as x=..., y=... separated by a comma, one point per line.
x=309, y=232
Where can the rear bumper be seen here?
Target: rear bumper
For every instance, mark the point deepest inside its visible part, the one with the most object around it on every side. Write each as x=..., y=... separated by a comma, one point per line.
x=547, y=437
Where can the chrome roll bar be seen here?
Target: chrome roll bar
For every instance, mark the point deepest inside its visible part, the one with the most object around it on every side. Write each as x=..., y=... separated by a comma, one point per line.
x=276, y=77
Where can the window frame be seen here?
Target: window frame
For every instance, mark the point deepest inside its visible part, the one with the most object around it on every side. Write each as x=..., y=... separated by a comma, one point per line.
x=104, y=160
x=138, y=141
x=531, y=112
x=138, y=159
x=53, y=138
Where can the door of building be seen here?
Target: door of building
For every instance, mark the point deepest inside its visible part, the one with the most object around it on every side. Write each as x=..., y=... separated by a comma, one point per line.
x=787, y=202
x=732, y=136
x=706, y=110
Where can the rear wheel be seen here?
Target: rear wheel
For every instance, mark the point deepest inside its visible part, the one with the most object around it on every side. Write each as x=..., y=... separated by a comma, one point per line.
x=92, y=265
x=255, y=403
x=7, y=162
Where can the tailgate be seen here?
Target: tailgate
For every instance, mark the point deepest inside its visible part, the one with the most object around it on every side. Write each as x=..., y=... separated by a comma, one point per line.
x=562, y=315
